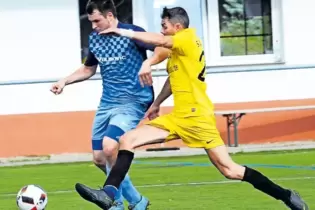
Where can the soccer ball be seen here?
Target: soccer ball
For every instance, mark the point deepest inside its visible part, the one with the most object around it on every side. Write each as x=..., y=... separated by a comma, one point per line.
x=31, y=197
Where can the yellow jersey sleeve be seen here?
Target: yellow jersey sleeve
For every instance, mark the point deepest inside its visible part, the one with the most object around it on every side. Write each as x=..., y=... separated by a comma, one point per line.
x=182, y=43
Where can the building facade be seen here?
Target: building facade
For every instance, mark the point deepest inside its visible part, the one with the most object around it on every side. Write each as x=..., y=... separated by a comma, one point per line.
x=256, y=50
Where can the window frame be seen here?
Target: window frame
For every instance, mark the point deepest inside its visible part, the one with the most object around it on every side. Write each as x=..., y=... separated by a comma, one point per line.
x=214, y=57
x=211, y=33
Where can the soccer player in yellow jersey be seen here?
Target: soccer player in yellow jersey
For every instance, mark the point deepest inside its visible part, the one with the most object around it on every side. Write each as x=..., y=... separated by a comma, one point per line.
x=192, y=118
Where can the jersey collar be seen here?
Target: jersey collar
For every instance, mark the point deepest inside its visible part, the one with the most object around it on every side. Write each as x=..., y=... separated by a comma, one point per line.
x=187, y=30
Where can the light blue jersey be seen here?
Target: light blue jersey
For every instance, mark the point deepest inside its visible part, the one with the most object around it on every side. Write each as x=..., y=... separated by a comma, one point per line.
x=120, y=60
x=123, y=102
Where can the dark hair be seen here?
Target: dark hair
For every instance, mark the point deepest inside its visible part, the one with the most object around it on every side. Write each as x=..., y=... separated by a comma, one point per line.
x=176, y=15
x=104, y=6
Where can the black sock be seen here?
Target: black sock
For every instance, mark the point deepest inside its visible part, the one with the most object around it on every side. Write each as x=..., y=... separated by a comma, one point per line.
x=120, y=169
x=102, y=167
x=262, y=183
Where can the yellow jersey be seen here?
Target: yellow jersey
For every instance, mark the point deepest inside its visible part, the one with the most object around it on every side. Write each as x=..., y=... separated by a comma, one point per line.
x=186, y=68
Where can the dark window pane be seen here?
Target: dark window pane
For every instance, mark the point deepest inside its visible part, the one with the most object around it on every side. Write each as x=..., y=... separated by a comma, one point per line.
x=255, y=45
x=233, y=46
x=254, y=26
x=268, y=45
x=231, y=17
x=248, y=20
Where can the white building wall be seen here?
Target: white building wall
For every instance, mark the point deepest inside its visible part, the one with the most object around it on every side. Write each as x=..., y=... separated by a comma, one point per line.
x=43, y=41
x=38, y=39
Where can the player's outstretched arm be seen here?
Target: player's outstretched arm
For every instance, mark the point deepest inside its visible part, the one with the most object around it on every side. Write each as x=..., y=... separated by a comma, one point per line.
x=150, y=38
x=146, y=37
x=83, y=73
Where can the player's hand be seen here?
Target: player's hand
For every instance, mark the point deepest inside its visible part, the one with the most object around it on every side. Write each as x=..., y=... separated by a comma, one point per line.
x=145, y=76
x=153, y=112
x=58, y=87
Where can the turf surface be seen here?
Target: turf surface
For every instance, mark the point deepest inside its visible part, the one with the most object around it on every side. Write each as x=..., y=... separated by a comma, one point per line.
x=170, y=183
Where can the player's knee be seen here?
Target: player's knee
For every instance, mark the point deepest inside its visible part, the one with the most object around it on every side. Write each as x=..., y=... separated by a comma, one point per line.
x=110, y=151
x=233, y=171
x=99, y=160
x=110, y=147
x=127, y=141
x=228, y=173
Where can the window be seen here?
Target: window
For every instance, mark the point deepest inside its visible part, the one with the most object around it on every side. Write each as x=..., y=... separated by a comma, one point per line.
x=124, y=13
x=148, y=15
x=243, y=32
x=245, y=27
x=234, y=32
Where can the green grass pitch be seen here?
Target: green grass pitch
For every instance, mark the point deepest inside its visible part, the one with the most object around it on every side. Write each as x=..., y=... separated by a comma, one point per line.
x=170, y=183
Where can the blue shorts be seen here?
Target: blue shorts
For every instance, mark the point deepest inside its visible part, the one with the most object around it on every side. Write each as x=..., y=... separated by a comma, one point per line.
x=113, y=122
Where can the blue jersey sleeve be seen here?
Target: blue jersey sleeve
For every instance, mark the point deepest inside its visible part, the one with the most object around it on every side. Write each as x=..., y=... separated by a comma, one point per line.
x=90, y=60
x=141, y=44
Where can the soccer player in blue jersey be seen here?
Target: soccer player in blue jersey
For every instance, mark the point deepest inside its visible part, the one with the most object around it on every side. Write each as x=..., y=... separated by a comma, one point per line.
x=124, y=101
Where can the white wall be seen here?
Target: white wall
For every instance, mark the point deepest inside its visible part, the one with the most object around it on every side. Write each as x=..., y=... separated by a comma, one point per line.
x=222, y=88
x=53, y=49
x=38, y=39
x=298, y=31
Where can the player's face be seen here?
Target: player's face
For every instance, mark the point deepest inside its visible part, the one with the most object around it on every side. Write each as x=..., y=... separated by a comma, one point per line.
x=169, y=28
x=99, y=22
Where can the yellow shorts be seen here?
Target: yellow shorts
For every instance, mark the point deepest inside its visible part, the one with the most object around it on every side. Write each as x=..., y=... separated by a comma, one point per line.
x=195, y=131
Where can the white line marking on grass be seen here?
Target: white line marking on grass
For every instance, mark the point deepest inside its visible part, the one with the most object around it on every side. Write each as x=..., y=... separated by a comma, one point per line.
x=177, y=184
x=218, y=182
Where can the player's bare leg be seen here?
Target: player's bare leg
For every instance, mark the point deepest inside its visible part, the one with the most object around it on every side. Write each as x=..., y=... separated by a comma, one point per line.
x=131, y=140
x=110, y=150
x=99, y=159
x=144, y=135
x=107, y=156
x=220, y=157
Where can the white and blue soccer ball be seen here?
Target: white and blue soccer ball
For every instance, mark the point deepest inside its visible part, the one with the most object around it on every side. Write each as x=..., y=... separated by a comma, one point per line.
x=31, y=197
